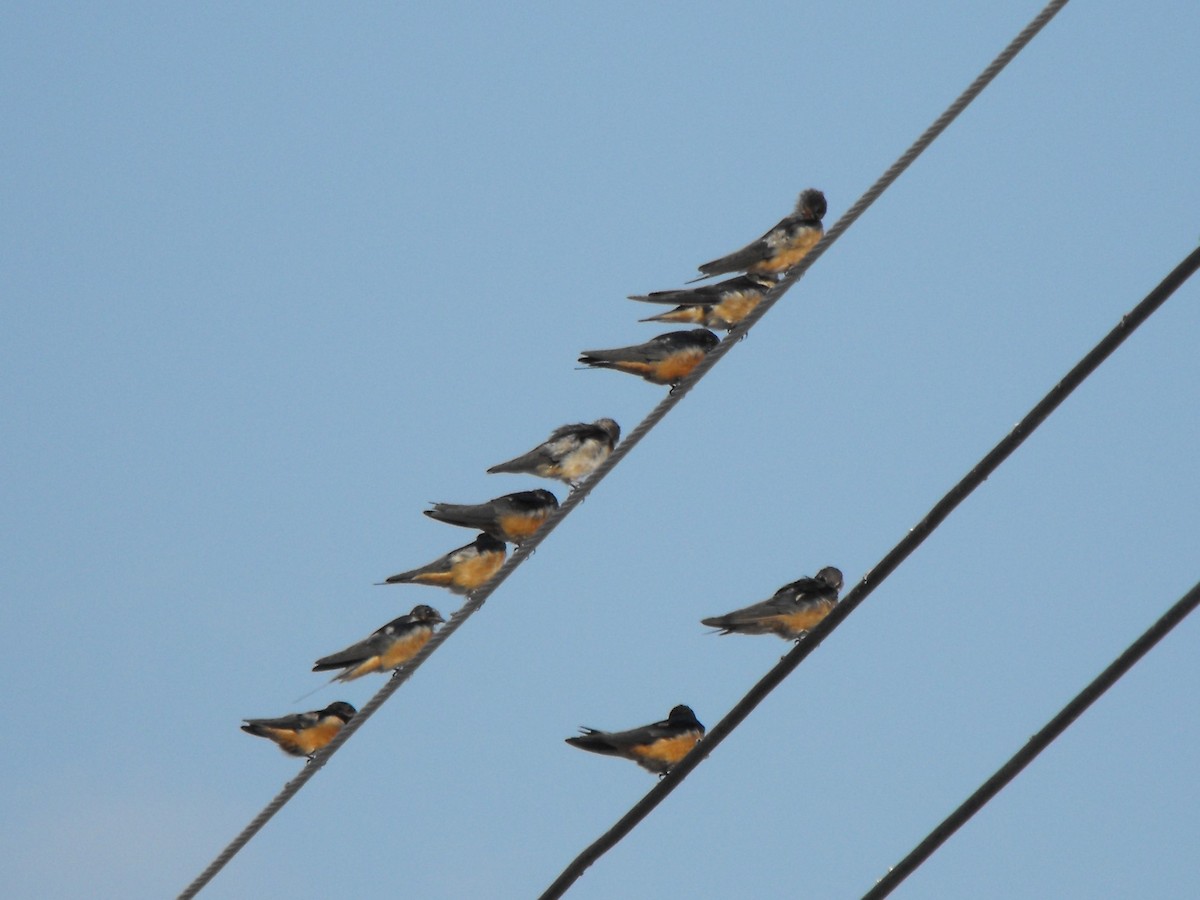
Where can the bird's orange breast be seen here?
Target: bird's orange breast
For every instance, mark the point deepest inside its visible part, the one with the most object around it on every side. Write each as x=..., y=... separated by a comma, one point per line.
x=668, y=750
x=676, y=367
x=790, y=253
x=735, y=307
x=804, y=619
x=307, y=740
x=404, y=649
x=471, y=573
x=518, y=526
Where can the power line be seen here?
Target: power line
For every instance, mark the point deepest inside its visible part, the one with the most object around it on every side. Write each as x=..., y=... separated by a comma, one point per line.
x=1036, y=744
x=907, y=158
x=476, y=600
x=913, y=539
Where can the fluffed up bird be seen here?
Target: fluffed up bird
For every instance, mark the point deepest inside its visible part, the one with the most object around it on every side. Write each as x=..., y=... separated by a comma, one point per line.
x=570, y=454
x=461, y=570
x=720, y=306
x=655, y=747
x=795, y=609
x=388, y=648
x=513, y=517
x=781, y=247
x=303, y=734
x=666, y=359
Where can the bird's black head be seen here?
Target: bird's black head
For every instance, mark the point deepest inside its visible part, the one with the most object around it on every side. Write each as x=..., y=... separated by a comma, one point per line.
x=831, y=576
x=485, y=543
x=426, y=614
x=341, y=709
x=811, y=204
x=683, y=715
x=540, y=497
x=609, y=427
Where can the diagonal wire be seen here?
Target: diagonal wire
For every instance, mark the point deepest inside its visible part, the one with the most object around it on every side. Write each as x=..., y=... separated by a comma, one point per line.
x=656, y=415
x=913, y=539
x=1036, y=744
x=961, y=102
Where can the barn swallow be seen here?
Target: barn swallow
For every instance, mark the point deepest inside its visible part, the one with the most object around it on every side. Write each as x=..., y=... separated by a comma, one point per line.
x=570, y=454
x=721, y=305
x=303, y=734
x=667, y=359
x=781, y=247
x=655, y=747
x=513, y=517
x=795, y=609
x=388, y=648
x=461, y=570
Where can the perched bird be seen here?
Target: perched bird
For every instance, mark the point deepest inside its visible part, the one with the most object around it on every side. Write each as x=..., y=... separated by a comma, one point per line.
x=461, y=570
x=795, y=609
x=655, y=747
x=721, y=305
x=388, y=648
x=666, y=359
x=570, y=454
x=513, y=517
x=781, y=247
x=303, y=734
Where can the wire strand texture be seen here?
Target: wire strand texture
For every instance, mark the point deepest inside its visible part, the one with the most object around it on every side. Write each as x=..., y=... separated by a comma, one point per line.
x=476, y=600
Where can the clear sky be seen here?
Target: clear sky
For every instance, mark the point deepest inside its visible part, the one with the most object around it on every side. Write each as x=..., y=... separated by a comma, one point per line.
x=277, y=276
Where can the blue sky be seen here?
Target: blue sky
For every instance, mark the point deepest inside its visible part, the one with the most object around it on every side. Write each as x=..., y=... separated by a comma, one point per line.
x=276, y=278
